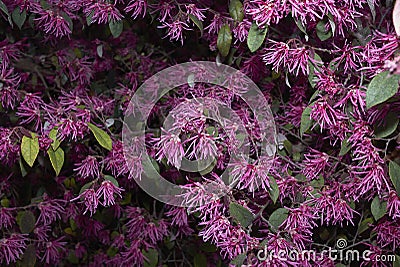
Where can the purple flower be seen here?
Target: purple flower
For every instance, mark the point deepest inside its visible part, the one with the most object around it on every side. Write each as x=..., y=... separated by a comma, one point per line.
x=170, y=146
x=106, y=191
x=50, y=211
x=54, y=23
x=175, y=30
x=137, y=7
x=53, y=251
x=12, y=248
x=90, y=200
x=89, y=167
x=103, y=12
x=6, y=218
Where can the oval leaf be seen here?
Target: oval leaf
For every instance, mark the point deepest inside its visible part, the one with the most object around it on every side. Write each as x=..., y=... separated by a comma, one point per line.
x=306, y=121
x=382, y=87
x=151, y=257
x=26, y=222
x=19, y=17
x=101, y=136
x=30, y=149
x=388, y=126
x=56, y=159
x=236, y=10
x=116, y=28
x=378, y=208
x=278, y=217
x=241, y=214
x=394, y=173
x=198, y=23
x=274, y=191
x=256, y=37
x=224, y=40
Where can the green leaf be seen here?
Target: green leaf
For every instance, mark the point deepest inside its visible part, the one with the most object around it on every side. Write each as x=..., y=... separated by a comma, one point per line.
x=394, y=174
x=26, y=222
x=116, y=28
x=85, y=186
x=19, y=17
x=238, y=260
x=224, y=40
x=274, y=191
x=345, y=148
x=200, y=260
x=382, y=87
x=378, y=208
x=388, y=126
x=306, y=121
x=101, y=136
x=241, y=214
x=152, y=257
x=22, y=167
x=89, y=18
x=111, y=179
x=30, y=149
x=256, y=37
x=396, y=262
x=365, y=225
x=56, y=159
x=53, y=136
x=236, y=10
x=301, y=27
x=278, y=217
x=311, y=75
x=322, y=33
x=29, y=257
x=198, y=23
x=4, y=8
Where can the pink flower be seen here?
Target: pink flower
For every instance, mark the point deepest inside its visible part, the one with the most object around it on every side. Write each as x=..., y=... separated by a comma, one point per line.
x=215, y=24
x=90, y=200
x=195, y=11
x=6, y=218
x=315, y=163
x=175, y=30
x=393, y=205
x=170, y=146
x=89, y=167
x=50, y=211
x=241, y=30
x=107, y=191
x=103, y=12
x=266, y=12
x=53, y=251
x=54, y=23
x=137, y=7
x=12, y=248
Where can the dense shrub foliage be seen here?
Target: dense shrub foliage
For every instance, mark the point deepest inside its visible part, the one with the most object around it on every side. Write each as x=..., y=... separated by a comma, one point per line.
x=328, y=69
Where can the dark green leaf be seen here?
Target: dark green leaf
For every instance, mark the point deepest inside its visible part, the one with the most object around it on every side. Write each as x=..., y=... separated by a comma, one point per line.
x=236, y=10
x=85, y=186
x=30, y=149
x=29, y=257
x=22, y=167
x=224, y=40
x=238, y=260
x=200, y=260
x=26, y=222
x=152, y=257
x=365, y=225
x=256, y=37
x=311, y=74
x=19, y=17
x=378, y=208
x=322, y=33
x=241, y=214
x=345, y=148
x=394, y=173
x=4, y=8
x=277, y=217
x=198, y=23
x=396, y=262
x=101, y=136
x=56, y=159
x=306, y=121
x=274, y=191
x=382, y=87
x=111, y=179
x=116, y=28
x=388, y=126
